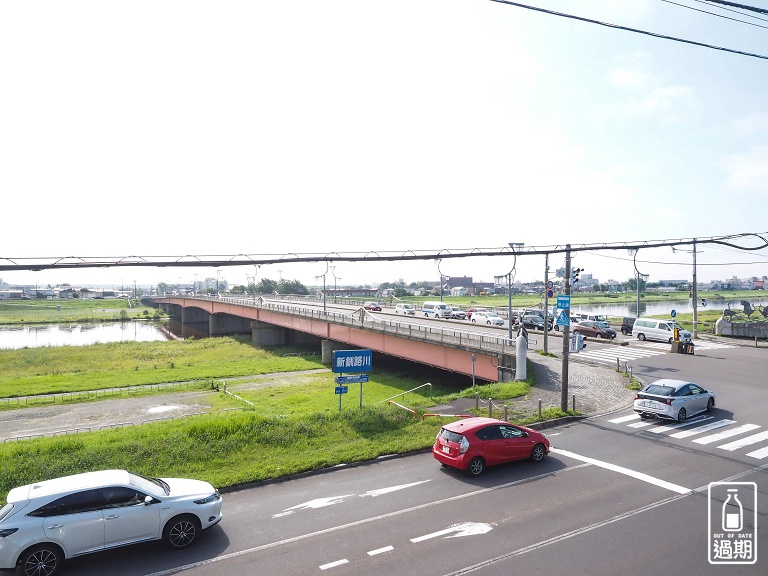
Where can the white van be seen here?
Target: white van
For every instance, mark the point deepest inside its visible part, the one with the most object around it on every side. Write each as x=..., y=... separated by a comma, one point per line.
x=436, y=309
x=655, y=329
x=592, y=317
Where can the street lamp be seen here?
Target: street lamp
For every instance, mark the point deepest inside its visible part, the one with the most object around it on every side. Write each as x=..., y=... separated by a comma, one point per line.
x=638, y=276
x=323, y=277
x=333, y=271
x=218, y=274
x=516, y=246
x=441, y=279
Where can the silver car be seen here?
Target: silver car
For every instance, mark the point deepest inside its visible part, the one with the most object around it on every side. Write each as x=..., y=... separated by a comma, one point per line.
x=47, y=522
x=487, y=318
x=673, y=400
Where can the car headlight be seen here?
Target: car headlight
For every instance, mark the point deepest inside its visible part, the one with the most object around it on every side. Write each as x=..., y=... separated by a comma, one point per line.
x=212, y=498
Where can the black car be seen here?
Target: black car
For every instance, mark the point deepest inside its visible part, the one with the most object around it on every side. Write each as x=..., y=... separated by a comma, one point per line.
x=626, y=325
x=532, y=321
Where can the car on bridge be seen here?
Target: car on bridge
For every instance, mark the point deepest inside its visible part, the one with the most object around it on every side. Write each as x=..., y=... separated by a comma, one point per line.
x=372, y=306
x=471, y=310
x=457, y=313
x=488, y=317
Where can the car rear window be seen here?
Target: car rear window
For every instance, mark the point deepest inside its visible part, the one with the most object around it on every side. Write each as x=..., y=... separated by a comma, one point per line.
x=659, y=390
x=5, y=510
x=449, y=436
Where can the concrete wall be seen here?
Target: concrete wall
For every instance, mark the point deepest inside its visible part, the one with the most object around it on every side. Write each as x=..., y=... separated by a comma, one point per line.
x=745, y=329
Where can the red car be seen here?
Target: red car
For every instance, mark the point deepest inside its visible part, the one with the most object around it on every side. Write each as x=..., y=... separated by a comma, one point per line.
x=372, y=306
x=474, y=443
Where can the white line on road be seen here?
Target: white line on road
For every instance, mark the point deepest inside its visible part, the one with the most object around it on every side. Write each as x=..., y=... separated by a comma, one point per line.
x=626, y=471
x=749, y=440
x=705, y=428
x=727, y=434
x=356, y=523
x=381, y=550
x=333, y=564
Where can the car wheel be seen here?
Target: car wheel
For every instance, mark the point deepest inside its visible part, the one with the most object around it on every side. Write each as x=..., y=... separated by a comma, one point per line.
x=43, y=560
x=710, y=404
x=181, y=531
x=681, y=415
x=557, y=328
x=598, y=335
x=641, y=336
x=669, y=341
x=624, y=331
x=538, y=453
x=476, y=466
x=473, y=320
x=489, y=322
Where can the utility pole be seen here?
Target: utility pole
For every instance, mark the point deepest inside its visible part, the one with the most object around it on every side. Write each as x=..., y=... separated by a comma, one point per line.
x=566, y=334
x=695, y=297
x=546, y=301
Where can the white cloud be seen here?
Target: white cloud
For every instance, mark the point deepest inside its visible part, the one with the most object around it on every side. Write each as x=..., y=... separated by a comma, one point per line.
x=660, y=100
x=748, y=171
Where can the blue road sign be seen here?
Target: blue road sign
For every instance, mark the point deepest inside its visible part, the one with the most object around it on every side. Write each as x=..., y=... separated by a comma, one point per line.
x=562, y=319
x=352, y=360
x=355, y=379
x=674, y=313
x=342, y=389
x=564, y=301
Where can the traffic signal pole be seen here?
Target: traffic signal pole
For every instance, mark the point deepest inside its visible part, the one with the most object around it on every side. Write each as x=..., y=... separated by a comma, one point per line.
x=566, y=334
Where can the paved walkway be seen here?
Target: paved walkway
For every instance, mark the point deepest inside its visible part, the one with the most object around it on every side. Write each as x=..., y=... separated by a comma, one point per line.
x=597, y=390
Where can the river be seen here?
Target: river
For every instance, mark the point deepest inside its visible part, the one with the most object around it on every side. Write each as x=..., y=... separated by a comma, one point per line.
x=36, y=336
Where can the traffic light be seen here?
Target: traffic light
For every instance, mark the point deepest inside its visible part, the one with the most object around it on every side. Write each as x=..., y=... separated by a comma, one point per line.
x=703, y=301
x=575, y=275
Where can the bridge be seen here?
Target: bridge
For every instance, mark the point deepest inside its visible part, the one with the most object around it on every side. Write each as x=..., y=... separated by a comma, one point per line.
x=283, y=323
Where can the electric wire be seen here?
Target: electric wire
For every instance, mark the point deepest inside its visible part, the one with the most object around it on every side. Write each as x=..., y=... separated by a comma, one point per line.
x=713, y=14
x=730, y=10
x=627, y=29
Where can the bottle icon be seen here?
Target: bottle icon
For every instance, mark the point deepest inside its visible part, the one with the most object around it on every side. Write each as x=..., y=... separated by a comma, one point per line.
x=733, y=512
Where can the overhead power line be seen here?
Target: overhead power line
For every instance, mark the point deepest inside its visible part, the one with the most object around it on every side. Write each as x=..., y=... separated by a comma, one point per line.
x=742, y=6
x=617, y=27
x=37, y=264
x=713, y=14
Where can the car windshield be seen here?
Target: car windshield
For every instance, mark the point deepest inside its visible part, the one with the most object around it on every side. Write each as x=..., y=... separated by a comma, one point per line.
x=147, y=484
x=659, y=390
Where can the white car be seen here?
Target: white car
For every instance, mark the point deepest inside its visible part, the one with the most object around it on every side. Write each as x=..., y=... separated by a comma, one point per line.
x=673, y=400
x=458, y=313
x=47, y=522
x=488, y=318
x=406, y=309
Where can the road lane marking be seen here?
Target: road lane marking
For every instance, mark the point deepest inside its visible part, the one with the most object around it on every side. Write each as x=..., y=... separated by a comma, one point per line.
x=356, y=523
x=381, y=550
x=626, y=471
x=727, y=434
x=749, y=440
x=760, y=454
x=463, y=529
x=625, y=418
x=705, y=428
x=669, y=427
x=333, y=564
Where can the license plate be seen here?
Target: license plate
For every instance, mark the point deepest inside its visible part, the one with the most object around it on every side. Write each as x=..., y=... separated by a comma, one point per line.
x=446, y=449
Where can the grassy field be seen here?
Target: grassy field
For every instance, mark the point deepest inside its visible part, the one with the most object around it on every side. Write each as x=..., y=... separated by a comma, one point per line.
x=13, y=312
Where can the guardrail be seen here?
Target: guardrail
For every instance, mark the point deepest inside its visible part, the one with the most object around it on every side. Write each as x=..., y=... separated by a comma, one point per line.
x=407, y=391
x=448, y=335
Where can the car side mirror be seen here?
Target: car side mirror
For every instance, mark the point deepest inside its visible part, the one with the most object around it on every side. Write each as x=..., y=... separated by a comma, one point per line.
x=148, y=500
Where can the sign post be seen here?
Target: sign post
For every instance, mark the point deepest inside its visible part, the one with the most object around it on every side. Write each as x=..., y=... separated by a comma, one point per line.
x=356, y=361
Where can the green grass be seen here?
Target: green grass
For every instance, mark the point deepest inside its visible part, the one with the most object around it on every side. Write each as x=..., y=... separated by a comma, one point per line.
x=53, y=370
x=14, y=312
x=224, y=450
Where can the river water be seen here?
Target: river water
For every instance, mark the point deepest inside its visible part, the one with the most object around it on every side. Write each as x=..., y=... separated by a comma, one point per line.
x=35, y=336
x=662, y=308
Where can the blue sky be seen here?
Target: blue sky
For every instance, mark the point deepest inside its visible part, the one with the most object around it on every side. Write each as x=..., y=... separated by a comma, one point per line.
x=262, y=127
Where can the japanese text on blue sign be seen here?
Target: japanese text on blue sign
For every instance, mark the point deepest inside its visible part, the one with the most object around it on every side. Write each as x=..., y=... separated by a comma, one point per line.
x=352, y=360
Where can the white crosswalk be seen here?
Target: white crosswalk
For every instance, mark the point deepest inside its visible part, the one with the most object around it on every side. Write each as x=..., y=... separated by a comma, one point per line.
x=636, y=350
x=701, y=425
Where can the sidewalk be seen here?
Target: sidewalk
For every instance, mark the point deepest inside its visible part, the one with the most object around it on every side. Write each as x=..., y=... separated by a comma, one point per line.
x=597, y=389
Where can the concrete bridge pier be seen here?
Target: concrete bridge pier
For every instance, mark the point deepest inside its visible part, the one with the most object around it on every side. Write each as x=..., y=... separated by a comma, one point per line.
x=173, y=310
x=264, y=335
x=506, y=368
x=226, y=324
x=327, y=347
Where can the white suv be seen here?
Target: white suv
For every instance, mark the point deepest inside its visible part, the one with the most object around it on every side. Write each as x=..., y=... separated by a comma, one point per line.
x=47, y=522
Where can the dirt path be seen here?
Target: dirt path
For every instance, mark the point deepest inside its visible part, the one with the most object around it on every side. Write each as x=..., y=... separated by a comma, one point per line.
x=67, y=418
